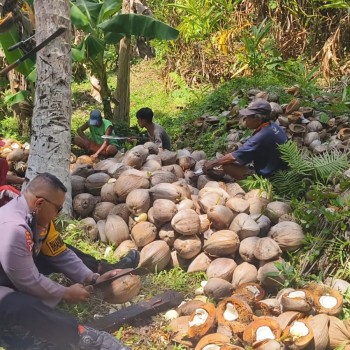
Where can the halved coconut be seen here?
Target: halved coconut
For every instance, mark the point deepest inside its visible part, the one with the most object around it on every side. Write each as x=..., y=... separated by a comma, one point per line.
x=298, y=335
x=328, y=301
x=287, y=317
x=261, y=329
x=267, y=307
x=251, y=291
x=221, y=268
x=202, y=321
x=187, y=308
x=212, y=341
x=297, y=300
x=234, y=314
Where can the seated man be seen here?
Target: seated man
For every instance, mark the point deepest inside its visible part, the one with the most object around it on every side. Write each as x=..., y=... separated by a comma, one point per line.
x=156, y=133
x=261, y=148
x=97, y=145
x=30, y=247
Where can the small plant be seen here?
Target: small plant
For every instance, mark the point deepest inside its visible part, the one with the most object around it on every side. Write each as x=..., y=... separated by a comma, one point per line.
x=257, y=182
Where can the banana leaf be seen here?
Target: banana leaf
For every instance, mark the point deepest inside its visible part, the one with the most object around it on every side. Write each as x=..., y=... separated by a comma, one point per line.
x=8, y=39
x=140, y=25
x=79, y=19
x=93, y=46
x=109, y=8
x=113, y=38
x=90, y=9
x=78, y=52
x=17, y=97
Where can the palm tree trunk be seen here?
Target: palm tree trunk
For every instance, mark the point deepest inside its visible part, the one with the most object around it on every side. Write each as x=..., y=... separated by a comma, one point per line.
x=121, y=114
x=51, y=125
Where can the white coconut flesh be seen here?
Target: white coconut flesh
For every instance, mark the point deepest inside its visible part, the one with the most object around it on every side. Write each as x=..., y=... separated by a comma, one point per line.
x=211, y=347
x=254, y=290
x=171, y=315
x=199, y=318
x=263, y=333
x=297, y=294
x=204, y=283
x=299, y=329
x=328, y=301
x=230, y=313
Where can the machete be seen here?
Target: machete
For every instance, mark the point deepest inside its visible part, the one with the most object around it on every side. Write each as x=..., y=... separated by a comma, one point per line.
x=139, y=271
x=57, y=33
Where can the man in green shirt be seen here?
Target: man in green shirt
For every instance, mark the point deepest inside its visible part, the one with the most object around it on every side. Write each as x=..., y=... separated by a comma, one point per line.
x=97, y=145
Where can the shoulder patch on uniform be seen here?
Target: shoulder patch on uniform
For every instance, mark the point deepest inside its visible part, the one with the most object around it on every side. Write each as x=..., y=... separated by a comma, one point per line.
x=56, y=245
x=29, y=241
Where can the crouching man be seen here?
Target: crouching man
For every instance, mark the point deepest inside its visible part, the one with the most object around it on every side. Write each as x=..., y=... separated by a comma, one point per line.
x=27, y=297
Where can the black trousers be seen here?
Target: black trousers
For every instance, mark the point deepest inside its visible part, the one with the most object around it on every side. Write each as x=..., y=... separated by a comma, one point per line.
x=23, y=310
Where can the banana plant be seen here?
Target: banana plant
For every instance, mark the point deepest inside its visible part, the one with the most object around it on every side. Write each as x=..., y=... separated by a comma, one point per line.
x=104, y=25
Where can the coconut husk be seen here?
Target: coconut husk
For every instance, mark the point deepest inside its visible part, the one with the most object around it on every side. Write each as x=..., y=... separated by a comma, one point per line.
x=83, y=204
x=320, y=328
x=186, y=222
x=151, y=165
x=257, y=205
x=298, y=335
x=101, y=227
x=174, y=169
x=15, y=155
x=138, y=201
x=185, y=204
x=89, y=226
x=179, y=328
x=289, y=235
x=250, y=291
x=328, y=301
x=222, y=243
x=129, y=182
x=78, y=184
x=244, y=273
x=121, y=210
x=187, y=308
x=124, y=248
x=116, y=229
x=339, y=335
x=143, y=233
x=94, y=183
x=163, y=210
x=200, y=263
x=310, y=137
x=287, y=317
x=104, y=164
x=166, y=191
x=293, y=106
x=115, y=170
x=220, y=217
x=270, y=276
x=276, y=209
x=299, y=300
x=247, y=248
x=234, y=314
x=102, y=210
x=122, y=289
x=167, y=157
x=151, y=147
x=155, y=256
x=253, y=332
x=267, y=249
x=214, y=339
x=267, y=307
x=184, y=188
x=176, y=260
x=108, y=194
x=209, y=199
x=205, y=325
x=188, y=246
x=339, y=285
x=83, y=170
x=168, y=234
x=314, y=126
x=135, y=157
x=221, y=268
x=218, y=288
x=244, y=226
x=269, y=344
x=238, y=205
x=205, y=223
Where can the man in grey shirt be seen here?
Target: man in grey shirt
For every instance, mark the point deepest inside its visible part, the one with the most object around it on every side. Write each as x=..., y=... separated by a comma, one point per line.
x=27, y=297
x=156, y=133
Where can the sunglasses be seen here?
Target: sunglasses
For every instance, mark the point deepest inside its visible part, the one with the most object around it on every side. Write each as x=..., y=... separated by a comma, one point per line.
x=58, y=207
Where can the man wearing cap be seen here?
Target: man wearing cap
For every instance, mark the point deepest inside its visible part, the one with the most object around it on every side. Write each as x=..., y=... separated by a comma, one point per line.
x=261, y=148
x=97, y=145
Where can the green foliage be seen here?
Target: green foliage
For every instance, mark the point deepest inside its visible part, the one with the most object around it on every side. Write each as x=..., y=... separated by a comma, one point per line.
x=9, y=128
x=304, y=169
x=257, y=182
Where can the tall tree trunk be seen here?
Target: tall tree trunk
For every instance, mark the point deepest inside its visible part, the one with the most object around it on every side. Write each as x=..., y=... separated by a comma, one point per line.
x=51, y=125
x=121, y=114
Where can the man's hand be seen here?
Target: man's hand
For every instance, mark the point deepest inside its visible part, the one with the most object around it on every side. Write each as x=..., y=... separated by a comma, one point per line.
x=208, y=165
x=94, y=157
x=75, y=294
x=108, y=275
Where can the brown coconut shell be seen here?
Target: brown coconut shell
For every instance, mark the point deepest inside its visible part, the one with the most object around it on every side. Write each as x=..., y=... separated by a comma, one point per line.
x=188, y=246
x=185, y=204
x=244, y=226
x=270, y=276
x=83, y=170
x=94, y=183
x=244, y=273
x=197, y=331
x=220, y=217
x=126, y=183
x=253, y=292
x=135, y=157
x=163, y=210
x=212, y=339
x=291, y=337
x=237, y=205
x=267, y=307
x=207, y=200
x=102, y=210
x=166, y=191
x=320, y=328
x=217, y=288
x=101, y=227
x=143, y=233
x=155, y=256
x=121, y=210
x=124, y=248
x=83, y=204
x=221, y=268
x=287, y=317
x=168, y=234
x=247, y=248
x=138, y=201
x=251, y=333
x=116, y=229
x=167, y=157
x=122, y=289
x=162, y=176
x=222, y=243
x=200, y=263
x=186, y=222
x=328, y=301
x=78, y=184
x=269, y=344
x=234, y=314
x=187, y=308
x=299, y=300
x=89, y=226
x=267, y=249
x=151, y=165
x=108, y=194
x=339, y=334
x=276, y=209
x=15, y=155
x=174, y=169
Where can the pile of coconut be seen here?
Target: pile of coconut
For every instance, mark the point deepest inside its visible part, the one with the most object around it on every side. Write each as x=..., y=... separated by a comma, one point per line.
x=295, y=319
x=153, y=201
